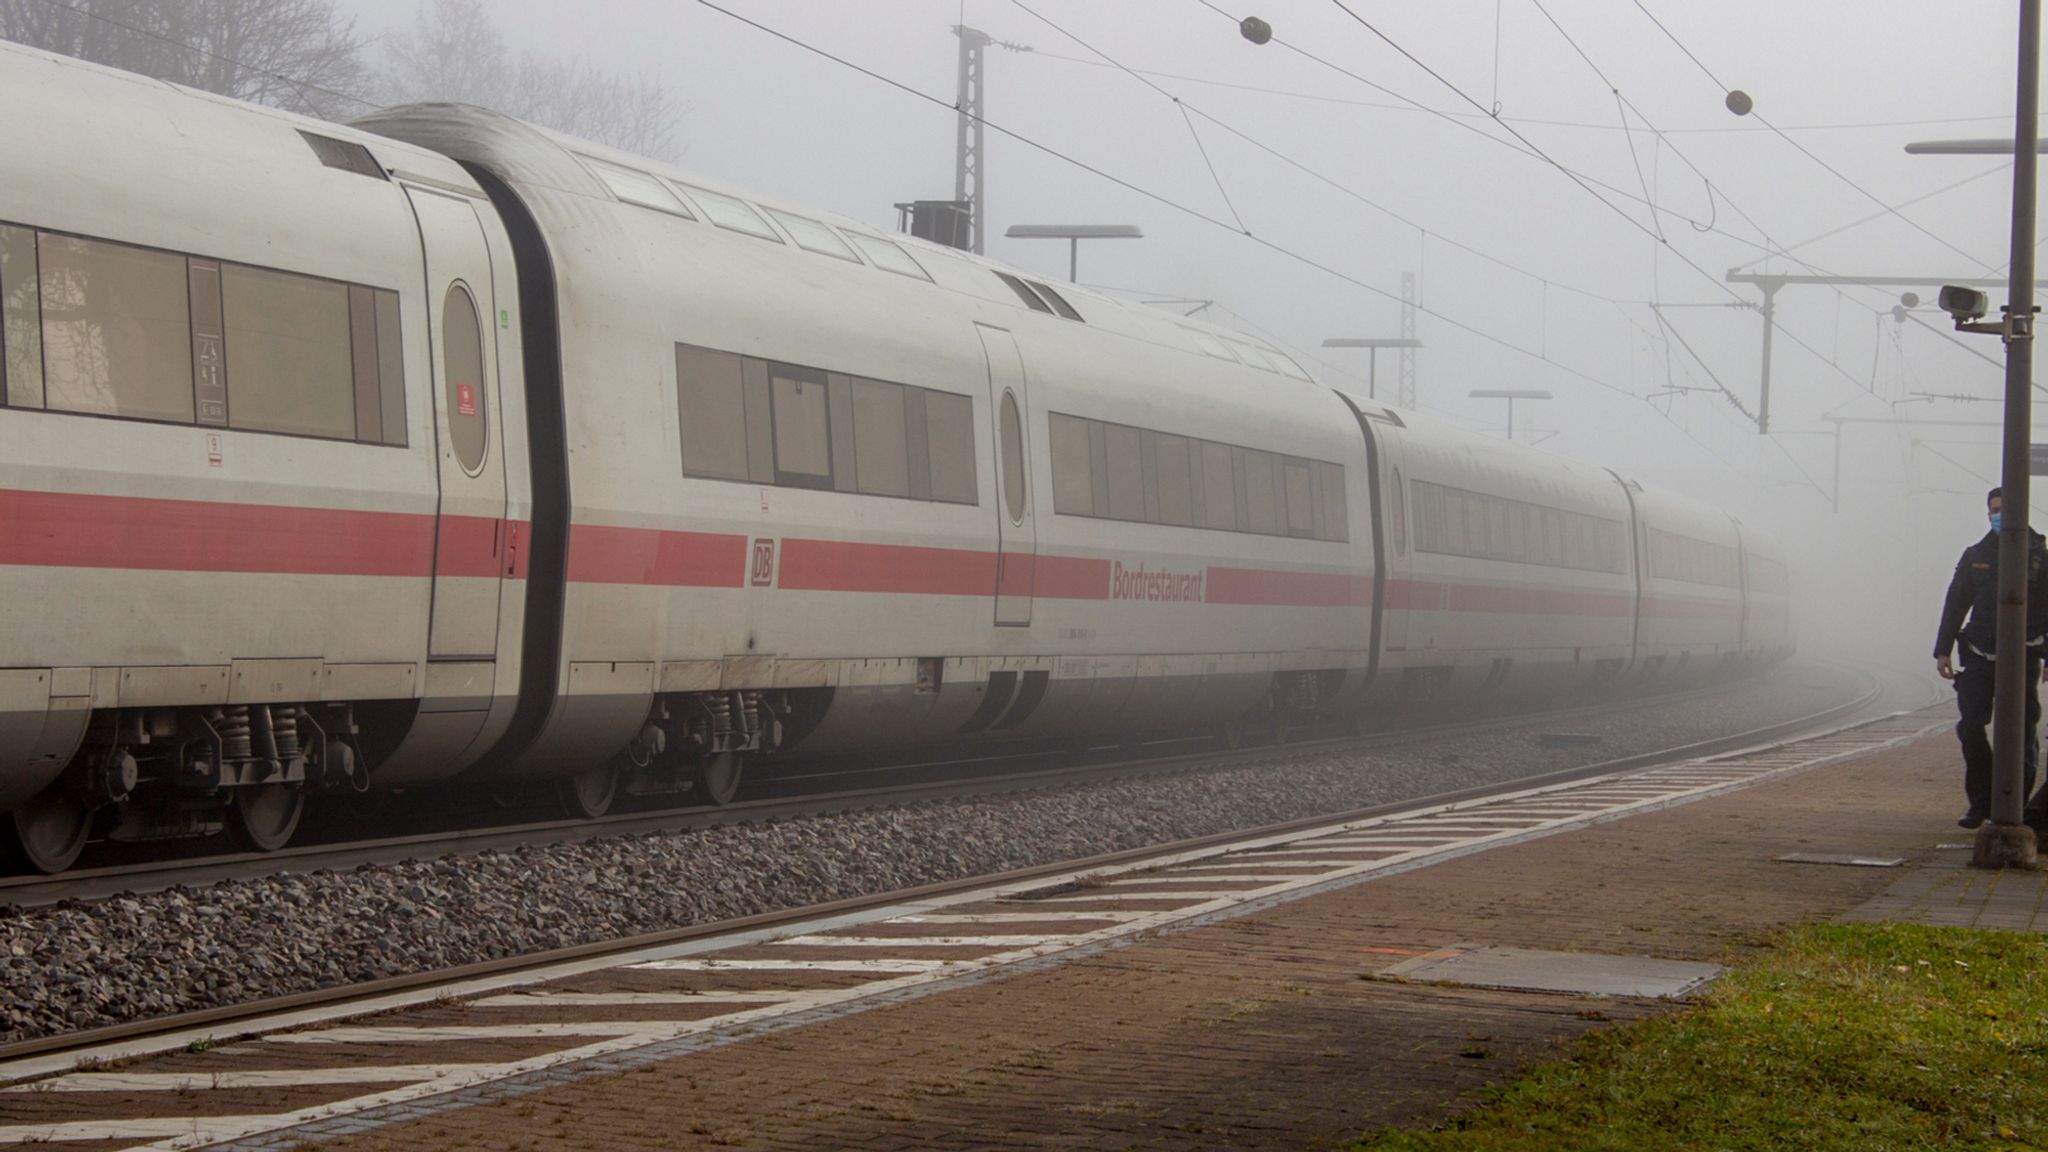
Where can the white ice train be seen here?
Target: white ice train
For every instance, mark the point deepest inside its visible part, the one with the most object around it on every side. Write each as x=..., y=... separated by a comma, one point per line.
x=442, y=448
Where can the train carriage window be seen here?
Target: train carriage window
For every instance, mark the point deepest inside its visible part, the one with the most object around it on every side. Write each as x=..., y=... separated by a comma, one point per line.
x=21, y=335
x=1013, y=458
x=1024, y=293
x=344, y=154
x=760, y=424
x=289, y=350
x=1126, y=471
x=390, y=367
x=117, y=337
x=362, y=352
x=1262, y=493
x=1073, y=481
x=839, y=405
x=949, y=430
x=462, y=359
x=636, y=187
x=1336, y=523
x=1219, y=487
x=881, y=453
x=1211, y=346
x=803, y=438
x=731, y=213
x=1287, y=366
x=1455, y=541
x=813, y=236
x=1058, y=302
x=1170, y=471
x=887, y=256
x=713, y=415
x=1499, y=545
x=1294, y=481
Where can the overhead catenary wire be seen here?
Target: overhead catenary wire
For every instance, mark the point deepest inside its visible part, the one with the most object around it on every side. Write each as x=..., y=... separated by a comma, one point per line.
x=1166, y=201
x=1407, y=106
x=1803, y=149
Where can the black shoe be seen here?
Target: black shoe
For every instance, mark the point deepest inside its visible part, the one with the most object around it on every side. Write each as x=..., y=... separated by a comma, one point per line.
x=1971, y=819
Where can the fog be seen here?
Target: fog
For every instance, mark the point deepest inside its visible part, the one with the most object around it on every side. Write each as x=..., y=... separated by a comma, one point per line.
x=1539, y=262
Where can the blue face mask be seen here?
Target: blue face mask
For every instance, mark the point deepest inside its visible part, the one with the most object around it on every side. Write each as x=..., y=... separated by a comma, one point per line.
x=1994, y=521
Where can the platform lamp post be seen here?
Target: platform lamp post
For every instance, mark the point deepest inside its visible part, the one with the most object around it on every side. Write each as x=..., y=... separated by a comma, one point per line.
x=1073, y=234
x=1510, y=395
x=1372, y=344
x=2005, y=840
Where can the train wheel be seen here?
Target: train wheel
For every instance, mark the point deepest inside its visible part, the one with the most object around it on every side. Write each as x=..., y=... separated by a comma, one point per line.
x=717, y=779
x=262, y=817
x=590, y=795
x=47, y=833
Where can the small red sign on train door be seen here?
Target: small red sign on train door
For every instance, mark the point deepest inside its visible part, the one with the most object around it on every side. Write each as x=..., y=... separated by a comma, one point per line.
x=763, y=571
x=465, y=399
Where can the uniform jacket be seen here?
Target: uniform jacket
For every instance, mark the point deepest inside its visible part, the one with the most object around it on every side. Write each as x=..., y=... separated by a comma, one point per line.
x=1973, y=592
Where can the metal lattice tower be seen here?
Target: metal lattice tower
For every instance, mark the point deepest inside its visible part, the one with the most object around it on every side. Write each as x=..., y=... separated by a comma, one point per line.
x=967, y=169
x=1406, y=392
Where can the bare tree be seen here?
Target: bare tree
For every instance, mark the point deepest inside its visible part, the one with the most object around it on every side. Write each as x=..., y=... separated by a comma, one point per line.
x=454, y=53
x=295, y=54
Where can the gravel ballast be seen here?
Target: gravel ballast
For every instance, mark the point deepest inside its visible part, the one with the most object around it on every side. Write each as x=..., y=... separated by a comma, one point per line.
x=68, y=967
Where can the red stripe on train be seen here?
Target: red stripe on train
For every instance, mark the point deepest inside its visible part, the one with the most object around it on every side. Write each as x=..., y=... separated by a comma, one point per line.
x=599, y=554
x=75, y=530
x=1280, y=588
x=1436, y=595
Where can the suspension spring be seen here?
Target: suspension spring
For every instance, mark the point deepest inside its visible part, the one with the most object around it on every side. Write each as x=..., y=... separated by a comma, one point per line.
x=284, y=731
x=720, y=708
x=232, y=723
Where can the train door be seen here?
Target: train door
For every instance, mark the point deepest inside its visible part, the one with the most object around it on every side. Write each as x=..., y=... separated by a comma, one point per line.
x=470, y=529
x=1016, y=518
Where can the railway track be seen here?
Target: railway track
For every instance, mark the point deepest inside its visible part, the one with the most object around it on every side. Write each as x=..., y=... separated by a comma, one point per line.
x=57, y=1053
x=789, y=796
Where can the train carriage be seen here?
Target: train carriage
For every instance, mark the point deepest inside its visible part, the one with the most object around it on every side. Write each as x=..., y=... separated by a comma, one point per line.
x=1508, y=571
x=231, y=508
x=1689, y=620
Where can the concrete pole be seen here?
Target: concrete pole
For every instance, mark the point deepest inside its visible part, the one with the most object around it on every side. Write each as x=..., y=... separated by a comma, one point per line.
x=2005, y=841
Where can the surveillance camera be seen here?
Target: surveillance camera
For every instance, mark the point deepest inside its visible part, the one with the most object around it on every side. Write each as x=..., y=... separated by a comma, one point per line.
x=1964, y=304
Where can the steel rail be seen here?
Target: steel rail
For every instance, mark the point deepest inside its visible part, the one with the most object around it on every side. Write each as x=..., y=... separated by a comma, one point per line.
x=1781, y=732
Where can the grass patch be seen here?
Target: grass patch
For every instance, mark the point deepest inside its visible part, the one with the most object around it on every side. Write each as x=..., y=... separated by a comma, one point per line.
x=1858, y=1038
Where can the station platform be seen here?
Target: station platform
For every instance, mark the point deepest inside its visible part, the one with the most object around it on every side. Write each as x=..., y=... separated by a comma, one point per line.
x=1281, y=1029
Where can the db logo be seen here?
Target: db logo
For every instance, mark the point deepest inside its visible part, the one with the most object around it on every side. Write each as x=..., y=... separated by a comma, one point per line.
x=762, y=573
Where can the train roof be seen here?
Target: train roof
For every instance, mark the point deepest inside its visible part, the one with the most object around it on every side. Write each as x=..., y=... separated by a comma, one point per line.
x=527, y=154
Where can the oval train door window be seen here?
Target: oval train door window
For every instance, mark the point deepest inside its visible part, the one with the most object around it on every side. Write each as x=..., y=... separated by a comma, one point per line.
x=462, y=363
x=1013, y=458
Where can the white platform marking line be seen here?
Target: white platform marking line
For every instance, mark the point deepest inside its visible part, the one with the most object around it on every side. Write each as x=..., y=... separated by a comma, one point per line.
x=1014, y=917
x=625, y=999
x=1109, y=892
x=435, y=1033
x=922, y=941
x=710, y=964
x=246, y=1078
x=1210, y=878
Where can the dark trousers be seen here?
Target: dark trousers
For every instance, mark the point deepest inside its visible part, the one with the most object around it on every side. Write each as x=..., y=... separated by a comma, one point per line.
x=1974, y=683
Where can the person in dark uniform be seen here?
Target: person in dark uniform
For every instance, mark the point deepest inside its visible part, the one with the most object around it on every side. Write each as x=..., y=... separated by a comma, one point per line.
x=1973, y=592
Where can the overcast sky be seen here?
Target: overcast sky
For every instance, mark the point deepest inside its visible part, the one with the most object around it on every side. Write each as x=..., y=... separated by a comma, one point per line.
x=1552, y=287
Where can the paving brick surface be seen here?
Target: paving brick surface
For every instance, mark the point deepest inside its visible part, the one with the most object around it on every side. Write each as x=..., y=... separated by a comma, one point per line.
x=1270, y=1031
